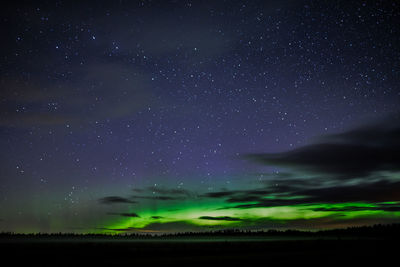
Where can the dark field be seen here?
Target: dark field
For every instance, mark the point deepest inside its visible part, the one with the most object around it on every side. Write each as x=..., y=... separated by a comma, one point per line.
x=199, y=251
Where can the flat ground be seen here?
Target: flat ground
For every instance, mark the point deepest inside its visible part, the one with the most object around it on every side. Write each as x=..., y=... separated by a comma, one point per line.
x=196, y=251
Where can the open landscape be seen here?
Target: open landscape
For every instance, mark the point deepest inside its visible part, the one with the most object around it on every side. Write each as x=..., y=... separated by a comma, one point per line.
x=363, y=245
x=199, y=132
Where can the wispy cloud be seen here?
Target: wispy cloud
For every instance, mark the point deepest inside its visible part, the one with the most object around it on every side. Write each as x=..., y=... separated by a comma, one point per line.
x=158, y=197
x=353, y=154
x=353, y=172
x=106, y=91
x=372, y=192
x=130, y=214
x=150, y=193
x=168, y=191
x=115, y=199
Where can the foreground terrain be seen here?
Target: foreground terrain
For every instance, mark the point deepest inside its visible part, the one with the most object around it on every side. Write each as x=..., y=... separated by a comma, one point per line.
x=204, y=251
x=360, y=246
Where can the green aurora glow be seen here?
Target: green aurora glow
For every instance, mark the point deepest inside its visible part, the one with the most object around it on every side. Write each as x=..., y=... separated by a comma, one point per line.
x=253, y=218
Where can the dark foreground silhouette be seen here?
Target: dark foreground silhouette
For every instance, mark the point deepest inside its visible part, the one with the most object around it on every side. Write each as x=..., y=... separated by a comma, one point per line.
x=363, y=245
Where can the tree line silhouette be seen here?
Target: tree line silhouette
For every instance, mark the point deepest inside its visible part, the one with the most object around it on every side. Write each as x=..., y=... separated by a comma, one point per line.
x=377, y=230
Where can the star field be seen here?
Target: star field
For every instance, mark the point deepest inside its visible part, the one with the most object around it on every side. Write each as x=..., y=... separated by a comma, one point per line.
x=100, y=99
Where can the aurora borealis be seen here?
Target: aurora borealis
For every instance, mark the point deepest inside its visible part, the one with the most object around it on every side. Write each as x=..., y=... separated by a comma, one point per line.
x=173, y=116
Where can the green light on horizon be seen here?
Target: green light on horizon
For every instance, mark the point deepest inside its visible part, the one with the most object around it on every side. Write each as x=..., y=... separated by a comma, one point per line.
x=194, y=213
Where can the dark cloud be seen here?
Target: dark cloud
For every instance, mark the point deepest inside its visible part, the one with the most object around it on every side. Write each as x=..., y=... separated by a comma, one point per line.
x=168, y=191
x=159, y=197
x=273, y=187
x=220, y=218
x=219, y=194
x=161, y=193
x=243, y=198
x=373, y=192
x=286, y=194
x=379, y=191
x=356, y=153
x=252, y=195
x=226, y=193
x=157, y=217
x=114, y=200
x=265, y=203
x=367, y=157
x=391, y=208
x=130, y=214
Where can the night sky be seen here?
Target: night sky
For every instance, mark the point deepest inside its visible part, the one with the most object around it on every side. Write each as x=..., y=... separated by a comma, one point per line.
x=168, y=116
